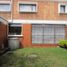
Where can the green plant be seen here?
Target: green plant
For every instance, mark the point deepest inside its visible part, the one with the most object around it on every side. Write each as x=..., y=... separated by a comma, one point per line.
x=45, y=57
x=63, y=43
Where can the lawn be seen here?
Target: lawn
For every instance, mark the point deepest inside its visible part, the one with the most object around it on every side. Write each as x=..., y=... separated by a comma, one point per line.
x=35, y=57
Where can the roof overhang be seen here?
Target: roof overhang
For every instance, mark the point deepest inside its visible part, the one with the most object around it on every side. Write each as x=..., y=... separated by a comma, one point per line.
x=3, y=21
x=39, y=21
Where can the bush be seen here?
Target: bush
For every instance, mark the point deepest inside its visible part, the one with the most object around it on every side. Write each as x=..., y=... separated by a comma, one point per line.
x=63, y=43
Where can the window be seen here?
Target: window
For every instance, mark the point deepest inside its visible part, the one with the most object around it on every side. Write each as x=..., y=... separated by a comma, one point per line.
x=27, y=7
x=47, y=34
x=37, y=33
x=5, y=7
x=62, y=8
x=14, y=29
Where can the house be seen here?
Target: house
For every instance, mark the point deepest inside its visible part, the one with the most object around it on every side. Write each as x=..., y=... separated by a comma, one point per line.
x=37, y=23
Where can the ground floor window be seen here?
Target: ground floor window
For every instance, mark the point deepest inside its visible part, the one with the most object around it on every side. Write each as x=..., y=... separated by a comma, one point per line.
x=47, y=33
x=14, y=29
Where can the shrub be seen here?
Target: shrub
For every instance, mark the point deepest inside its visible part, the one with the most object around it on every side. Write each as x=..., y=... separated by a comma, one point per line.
x=63, y=43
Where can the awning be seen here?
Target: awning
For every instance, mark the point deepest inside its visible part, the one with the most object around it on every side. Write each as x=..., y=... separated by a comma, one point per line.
x=4, y=21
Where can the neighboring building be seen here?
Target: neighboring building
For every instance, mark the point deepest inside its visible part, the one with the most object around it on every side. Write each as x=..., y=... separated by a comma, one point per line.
x=3, y=34
x=37, y=23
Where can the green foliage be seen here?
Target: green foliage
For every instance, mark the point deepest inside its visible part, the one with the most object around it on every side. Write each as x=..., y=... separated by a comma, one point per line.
x=63, y=43
x=35, y=57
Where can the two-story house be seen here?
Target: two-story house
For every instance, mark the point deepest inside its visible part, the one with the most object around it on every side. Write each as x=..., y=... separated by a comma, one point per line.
x=37, y=23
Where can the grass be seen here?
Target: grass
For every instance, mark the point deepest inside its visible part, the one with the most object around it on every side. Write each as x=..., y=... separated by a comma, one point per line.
x=35, y=57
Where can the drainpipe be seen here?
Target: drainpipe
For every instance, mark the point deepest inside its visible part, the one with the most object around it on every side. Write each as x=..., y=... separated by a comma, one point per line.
x=11, y=11
x=11, y=15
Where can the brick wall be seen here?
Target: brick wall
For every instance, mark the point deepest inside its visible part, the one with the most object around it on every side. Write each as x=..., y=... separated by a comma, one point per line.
x=26, y=40
x=46, y=11
x=3, y=34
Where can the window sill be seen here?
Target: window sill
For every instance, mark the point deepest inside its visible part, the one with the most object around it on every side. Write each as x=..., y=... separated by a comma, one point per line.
x=5, y=11
x=28, y=11
x=62, y=13
x=15, y=35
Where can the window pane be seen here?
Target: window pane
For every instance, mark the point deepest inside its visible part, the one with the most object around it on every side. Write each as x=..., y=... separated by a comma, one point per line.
x=15, y=29
x=33, y=8
x=49, y=39
x=59, y=33
x=48, y=30
x=59, y=37
x=62, y=8
x=37, y=34
x=49, y=34
x=37, y=30
x=37, y=39
x=27, y=7
x=59, y=30
x=5, y=7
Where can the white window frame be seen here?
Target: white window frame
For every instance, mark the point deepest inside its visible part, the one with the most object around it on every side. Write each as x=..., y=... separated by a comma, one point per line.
x=6, y=2
x=59, y=11
x=33, y=3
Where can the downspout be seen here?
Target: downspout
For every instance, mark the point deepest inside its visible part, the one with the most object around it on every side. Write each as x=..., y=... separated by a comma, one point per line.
x=11, y=17
x=11, y=11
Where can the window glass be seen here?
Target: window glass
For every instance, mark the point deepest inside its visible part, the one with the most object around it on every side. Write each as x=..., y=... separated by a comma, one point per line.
x=37, y=39
x=27, y=7
x=47, y=34
x=49, y=39
x=15, y=29
x=62, y=8
x=37, y=30
x=5, y=7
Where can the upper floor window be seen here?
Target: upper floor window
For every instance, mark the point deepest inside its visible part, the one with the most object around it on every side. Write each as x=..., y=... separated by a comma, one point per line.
x=5, y=7
x=27, y=7
x=62, y=8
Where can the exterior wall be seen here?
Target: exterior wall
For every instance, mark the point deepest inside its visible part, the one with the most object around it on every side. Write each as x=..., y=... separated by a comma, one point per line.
x=3, y=34
x=26, y=36
x=26, y=40
x=47, y=10
x=6, y=15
